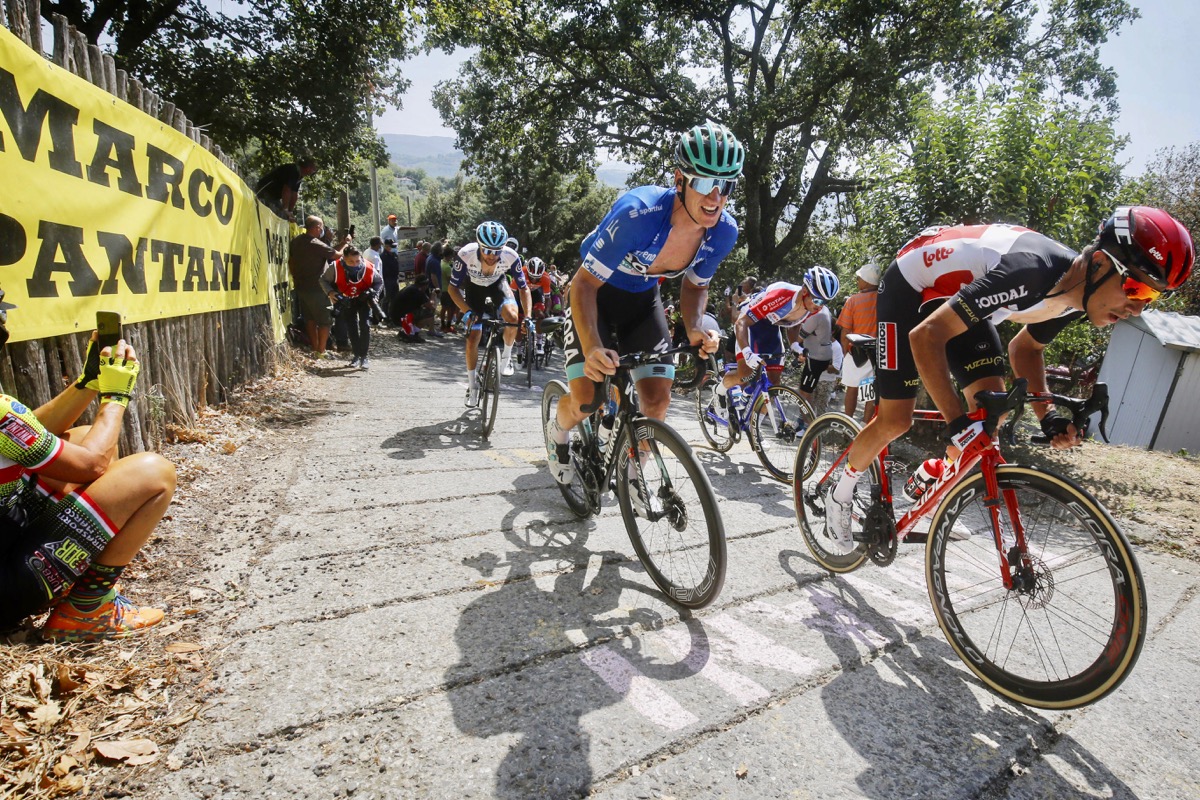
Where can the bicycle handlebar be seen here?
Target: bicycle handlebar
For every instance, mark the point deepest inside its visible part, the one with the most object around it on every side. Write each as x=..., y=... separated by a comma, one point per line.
x=626, y=362
x=998, y=403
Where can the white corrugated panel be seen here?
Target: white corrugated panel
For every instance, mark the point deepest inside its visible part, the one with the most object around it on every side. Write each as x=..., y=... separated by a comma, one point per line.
x=1180, y=428
x=1139, y=372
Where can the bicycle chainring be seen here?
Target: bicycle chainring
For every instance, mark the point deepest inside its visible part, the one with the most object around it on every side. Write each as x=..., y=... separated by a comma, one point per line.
x=880, y=527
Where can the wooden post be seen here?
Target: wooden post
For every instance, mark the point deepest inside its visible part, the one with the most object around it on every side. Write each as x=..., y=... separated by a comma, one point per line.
x=96, y=63
x=62, y=43
x=33, y=10
x=79, y=46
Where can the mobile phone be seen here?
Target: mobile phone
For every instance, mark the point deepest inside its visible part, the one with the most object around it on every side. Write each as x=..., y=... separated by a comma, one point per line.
x=351, y=230
x=108, y=328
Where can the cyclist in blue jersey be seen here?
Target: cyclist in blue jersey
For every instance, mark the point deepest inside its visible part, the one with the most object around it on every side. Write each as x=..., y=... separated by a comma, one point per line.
x=614, y=306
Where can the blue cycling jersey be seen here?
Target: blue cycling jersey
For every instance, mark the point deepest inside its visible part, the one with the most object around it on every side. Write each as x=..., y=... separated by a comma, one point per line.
x=623, y=246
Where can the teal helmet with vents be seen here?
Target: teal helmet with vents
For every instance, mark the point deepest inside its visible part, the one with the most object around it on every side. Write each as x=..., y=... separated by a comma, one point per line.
x=710, y=151
x=491, y=235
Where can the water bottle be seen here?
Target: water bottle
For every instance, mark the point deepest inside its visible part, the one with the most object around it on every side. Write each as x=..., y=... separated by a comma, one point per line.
x=605, y=432
x=737, y=398
x=924, y=477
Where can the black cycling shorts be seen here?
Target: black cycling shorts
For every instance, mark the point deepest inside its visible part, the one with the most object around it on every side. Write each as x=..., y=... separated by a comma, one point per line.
x=974, y=354
x=629, y=322
x=46, y=551
x=813, y=369
x=476, y=297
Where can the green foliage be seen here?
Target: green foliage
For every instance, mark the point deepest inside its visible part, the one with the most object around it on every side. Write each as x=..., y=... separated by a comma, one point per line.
x=982, y=157
x=271, y=80
x=806, y=86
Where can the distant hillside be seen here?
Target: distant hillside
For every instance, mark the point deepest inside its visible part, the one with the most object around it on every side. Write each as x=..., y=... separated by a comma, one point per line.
x=439, y=158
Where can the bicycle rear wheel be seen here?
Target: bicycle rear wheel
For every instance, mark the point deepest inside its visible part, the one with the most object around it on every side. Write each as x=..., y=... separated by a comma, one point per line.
x=489, y=392
x=820, y=462
x=676, y=529
x=1073, y=629
x=574, y=493
x=777, y=422
x=714, y=417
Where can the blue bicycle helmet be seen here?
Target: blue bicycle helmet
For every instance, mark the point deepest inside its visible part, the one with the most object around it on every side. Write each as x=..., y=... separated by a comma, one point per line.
x=822, y=284
x=710, y=151
x=491, y=235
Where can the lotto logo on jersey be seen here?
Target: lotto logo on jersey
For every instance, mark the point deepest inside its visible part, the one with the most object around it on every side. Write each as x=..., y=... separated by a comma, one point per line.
x=18, y=430
x=888, y=358
x=931, y=257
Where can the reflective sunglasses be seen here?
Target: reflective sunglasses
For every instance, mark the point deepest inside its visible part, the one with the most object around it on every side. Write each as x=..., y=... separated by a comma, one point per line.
x=489, y=251
x=706, y=185
x=816, y=301
x=1133, y=288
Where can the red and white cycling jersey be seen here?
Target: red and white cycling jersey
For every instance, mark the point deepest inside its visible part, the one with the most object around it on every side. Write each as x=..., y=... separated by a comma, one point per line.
x=995, y=270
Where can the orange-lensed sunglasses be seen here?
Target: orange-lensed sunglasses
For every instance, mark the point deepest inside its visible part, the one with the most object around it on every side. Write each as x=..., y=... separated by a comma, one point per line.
x=1133, y=288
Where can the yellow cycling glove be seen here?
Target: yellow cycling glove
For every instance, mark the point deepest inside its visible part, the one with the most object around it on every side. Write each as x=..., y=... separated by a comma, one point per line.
x=91, y=369
x=117, y=378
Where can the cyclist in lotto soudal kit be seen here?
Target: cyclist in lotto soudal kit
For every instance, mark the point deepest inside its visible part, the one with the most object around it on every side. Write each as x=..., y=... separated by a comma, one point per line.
x=650, y=231
x=482, y=266
x=801, y=310
x=940, y=299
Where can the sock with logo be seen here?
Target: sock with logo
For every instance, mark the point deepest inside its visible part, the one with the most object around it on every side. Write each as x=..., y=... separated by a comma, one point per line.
x=95, y=587
x=844, y=491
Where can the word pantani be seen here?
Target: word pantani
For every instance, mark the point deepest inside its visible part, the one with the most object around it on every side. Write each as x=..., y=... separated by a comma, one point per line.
x=106, y=207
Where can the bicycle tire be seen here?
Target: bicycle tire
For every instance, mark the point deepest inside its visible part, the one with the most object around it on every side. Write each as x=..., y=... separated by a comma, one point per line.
x=814, y=473
x=1075, y=635
x=684, y=556
x=573, y=493
x=718, y=431
x=490, y=391
x=775, y=447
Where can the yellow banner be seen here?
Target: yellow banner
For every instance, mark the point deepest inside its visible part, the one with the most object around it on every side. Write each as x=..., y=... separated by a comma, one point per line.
x=106, y=208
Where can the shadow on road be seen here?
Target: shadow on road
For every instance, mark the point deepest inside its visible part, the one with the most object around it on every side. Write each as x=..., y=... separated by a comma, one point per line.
x=915, y=698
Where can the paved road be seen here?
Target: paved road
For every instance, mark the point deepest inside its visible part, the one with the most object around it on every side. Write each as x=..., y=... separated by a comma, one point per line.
x=424, y=618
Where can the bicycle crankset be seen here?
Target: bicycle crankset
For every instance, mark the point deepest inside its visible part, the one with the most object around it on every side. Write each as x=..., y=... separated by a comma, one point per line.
x=880, y=529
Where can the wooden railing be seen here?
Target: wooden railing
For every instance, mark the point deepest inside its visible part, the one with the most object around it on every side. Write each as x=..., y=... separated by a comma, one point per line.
x=187, y=362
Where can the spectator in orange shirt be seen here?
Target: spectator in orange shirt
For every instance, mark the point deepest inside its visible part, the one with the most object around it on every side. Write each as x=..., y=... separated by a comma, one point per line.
x=858, y=316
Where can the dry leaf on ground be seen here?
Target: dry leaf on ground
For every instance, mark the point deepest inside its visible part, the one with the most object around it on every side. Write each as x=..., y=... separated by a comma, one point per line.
x=132, y=751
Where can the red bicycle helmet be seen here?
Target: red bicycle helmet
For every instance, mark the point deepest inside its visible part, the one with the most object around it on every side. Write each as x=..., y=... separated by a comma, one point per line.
x=1150, y=242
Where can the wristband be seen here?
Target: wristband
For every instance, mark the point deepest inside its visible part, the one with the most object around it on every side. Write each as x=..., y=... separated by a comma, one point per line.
x=115, y=397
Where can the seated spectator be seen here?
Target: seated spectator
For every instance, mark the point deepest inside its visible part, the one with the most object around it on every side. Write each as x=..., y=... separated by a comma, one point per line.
x=412, y=307
x=76, y=515
x=280, y=188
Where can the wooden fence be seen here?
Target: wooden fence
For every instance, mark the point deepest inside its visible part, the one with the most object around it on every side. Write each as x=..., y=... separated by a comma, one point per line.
x=187, y=362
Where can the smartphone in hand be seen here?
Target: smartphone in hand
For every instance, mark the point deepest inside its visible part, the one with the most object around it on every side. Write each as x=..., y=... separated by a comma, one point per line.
x=108, y=329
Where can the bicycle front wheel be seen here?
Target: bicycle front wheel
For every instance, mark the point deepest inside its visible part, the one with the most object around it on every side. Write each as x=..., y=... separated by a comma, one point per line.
x=574, y=493
x=1073, y=626
x=489, y=393
x=777, y=421
x=714, y=416
x=819, y=464
x=671, y=513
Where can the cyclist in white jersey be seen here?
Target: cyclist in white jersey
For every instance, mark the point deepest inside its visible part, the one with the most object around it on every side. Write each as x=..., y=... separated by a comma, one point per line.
x=479, y=273
x=940, y=299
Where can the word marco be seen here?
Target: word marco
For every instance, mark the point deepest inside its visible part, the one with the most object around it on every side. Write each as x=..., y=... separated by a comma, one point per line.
x=166, y=179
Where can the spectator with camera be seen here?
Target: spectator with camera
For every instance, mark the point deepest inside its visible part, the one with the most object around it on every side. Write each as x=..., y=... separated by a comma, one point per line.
x=74, y=515
x=353, y=285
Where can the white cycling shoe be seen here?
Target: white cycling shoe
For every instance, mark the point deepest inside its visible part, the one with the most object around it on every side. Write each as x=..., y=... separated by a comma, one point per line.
x=837, y=521
x=508, y=369
x=472, y=397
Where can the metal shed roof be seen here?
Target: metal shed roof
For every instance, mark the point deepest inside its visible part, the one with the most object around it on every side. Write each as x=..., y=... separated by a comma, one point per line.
x=1172, y=330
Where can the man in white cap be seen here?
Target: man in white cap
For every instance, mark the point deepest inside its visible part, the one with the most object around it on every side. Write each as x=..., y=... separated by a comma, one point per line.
x=858, y=316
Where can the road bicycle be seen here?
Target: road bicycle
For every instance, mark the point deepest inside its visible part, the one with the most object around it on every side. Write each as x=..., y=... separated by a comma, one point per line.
x=1032, y=581
x=526, y=346
x=549, y=337
x=774, y=417
x=487, y=367
x=666, y=500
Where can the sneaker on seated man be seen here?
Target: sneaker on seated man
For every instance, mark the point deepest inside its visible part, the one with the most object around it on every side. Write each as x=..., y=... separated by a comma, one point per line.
x=78, y=513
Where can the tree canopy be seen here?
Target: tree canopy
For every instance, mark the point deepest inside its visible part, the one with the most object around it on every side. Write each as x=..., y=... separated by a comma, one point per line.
x=268, y=80
x=807, y=87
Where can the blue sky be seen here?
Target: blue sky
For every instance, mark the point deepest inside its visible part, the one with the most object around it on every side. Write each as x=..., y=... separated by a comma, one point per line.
x=1156, y=58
